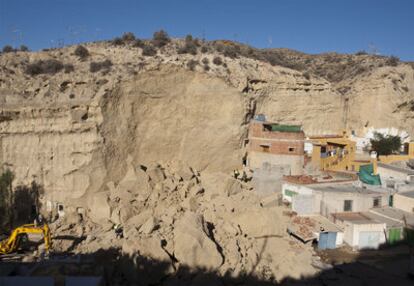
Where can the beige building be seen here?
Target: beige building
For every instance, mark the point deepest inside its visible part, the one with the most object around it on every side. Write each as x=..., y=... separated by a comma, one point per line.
x=329, y=198
x=275, y=144
x=404, y=201
x=390, y=172
x=360, y=231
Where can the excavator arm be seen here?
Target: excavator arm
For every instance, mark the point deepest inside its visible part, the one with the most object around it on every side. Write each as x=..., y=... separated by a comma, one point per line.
x=11, y=244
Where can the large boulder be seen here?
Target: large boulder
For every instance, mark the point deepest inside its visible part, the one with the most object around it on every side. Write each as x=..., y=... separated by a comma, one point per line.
x=135, y=181
x=156, y=173
x=99, y=208
x=260, y=222
x=139, y=219
x=232, y=186
x=151, y=262
x=149, y=225
x=192, y=245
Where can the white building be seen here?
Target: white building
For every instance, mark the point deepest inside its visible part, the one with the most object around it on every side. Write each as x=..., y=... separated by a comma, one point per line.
x=360, y=231
x=328, y=198
x=389, y=172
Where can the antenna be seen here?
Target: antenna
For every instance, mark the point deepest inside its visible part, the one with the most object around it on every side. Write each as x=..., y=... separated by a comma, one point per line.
x=269, y=41
x=60, y=43
x=96, y=34
x=203, y=35
x=372, y=49
x=16, y=36
x=74, y=32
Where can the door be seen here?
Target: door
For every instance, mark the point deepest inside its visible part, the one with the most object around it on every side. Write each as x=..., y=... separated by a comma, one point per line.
x=327, y=240
x=394, y=235
x=369, y=239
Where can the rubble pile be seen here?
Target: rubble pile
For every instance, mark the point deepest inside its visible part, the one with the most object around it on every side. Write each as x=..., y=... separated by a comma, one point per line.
x=175, y=214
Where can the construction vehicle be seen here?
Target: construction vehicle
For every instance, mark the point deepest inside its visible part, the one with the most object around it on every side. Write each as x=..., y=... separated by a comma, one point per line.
x=12, y=243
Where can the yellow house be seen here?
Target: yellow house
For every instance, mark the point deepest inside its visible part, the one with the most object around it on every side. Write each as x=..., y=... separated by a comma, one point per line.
x=405, y=156
x=336, y=153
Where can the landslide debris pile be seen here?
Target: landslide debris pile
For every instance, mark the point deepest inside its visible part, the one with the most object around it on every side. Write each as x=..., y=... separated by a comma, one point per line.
x=174, y=214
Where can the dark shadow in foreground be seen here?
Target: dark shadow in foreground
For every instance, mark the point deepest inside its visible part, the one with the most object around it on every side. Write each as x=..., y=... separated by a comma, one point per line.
x=119, y=269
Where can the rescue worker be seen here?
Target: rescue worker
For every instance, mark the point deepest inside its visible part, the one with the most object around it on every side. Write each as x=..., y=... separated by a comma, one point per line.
x=39, y=220
x=119, y=231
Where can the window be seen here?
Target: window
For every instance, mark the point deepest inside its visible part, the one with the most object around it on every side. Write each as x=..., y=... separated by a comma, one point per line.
x=290, y=193
x=348, y=206
x=291, y=149
x=376, y=202
x=265, y=148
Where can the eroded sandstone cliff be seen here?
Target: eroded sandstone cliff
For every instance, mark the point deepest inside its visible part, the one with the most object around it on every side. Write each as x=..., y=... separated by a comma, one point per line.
x=72, y=131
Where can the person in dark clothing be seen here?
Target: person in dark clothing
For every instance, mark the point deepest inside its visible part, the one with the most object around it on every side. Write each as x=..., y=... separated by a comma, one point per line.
x=119, y=231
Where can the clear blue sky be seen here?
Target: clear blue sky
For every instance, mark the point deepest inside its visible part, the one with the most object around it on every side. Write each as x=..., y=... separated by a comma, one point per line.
x=312, y=26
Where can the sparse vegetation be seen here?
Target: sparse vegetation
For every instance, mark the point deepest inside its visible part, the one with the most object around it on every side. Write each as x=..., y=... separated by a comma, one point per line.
x=117, y=41
x=191, y=64
x=6, y=179
x=50, y=66
x=149, y=51
x=231, y=51
x=68, y=68
x=206, y=67
x=190, y=46
x=160, y=39
x=393, y=61
x=8, y=49
x=138, y=43
x=128, y=37
x=361, y=53
x=100, y=66
x=385, y=144
x=81, y=52
x=205, y=61
x=331, y=66
x=24, y=48
x=217, y=61
x=204, y=49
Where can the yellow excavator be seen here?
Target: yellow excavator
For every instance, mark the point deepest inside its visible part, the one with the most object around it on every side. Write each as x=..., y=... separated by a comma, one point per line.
x=12, y=243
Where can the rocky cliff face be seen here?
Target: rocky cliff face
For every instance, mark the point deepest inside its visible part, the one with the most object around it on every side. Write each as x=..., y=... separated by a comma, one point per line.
x=72, y=131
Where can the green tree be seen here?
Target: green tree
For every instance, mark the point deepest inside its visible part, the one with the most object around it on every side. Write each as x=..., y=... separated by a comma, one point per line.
x=385, y=144
x=6, y=198
x=160, y=38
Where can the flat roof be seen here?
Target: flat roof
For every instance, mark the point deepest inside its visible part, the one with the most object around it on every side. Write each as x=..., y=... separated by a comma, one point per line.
x=409, y=194
x=283, y=127
x=395, y=214
x=325, y=136
x=383, y=219
x=354, y=217
x=395, y=168
x=346, y=187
